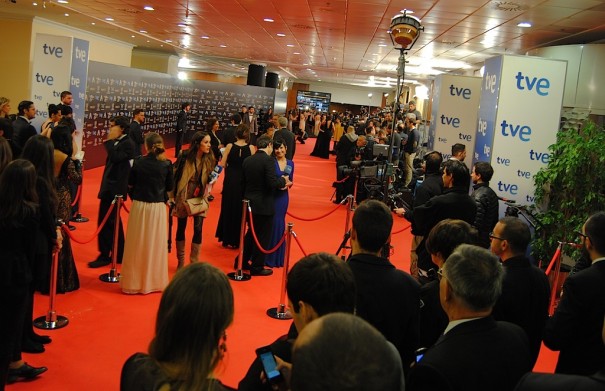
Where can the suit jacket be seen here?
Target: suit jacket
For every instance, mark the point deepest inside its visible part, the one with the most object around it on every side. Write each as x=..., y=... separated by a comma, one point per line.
x=136, y=134
x=576, y=326
x=288, y=138
x=559, y=382
x=22, y=131
x=477, y=355
x=487, y=211
x=181, y=121
x=253, y=124
x=524, y=300
x=454, y=203
x=260, y=182
x=117, y=168
x=388, y=299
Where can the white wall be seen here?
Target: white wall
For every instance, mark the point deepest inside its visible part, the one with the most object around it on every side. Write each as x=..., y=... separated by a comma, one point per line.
x=102, y=49
x=355, y=95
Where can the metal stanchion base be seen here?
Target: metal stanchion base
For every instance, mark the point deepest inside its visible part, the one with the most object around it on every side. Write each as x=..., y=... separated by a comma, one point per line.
x=239, y=275
x=112, y=276
x=41, y=323
x=275, y=314
x=80, y=219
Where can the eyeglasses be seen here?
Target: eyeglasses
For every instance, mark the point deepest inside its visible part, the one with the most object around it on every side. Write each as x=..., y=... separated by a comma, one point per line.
x=492, y=236
x=583, y=236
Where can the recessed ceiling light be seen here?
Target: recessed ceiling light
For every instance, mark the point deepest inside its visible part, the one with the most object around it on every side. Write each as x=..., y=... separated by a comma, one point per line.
x=269, y=20
x=296, y=53
x=34, y=4
x=290, y=45
x=148, y=8
x=205, y=37
x=66, y=14
x=318, y=79
x=524, y=24
x=62, y=1
x=168, y=41
x=109, y=19
x=382, y=45
x=280, y=34
x=93, y=23
x=161, y=46
x=132, y=36
x=148, y=41
x=182, y=25
x=223, y=46
x=143, y=31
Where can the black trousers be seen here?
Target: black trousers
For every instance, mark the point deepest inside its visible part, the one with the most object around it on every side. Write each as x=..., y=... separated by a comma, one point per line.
x=105, y=239
x=198, y=222
x=263, y=225
x=180, y=136
x=13, y=308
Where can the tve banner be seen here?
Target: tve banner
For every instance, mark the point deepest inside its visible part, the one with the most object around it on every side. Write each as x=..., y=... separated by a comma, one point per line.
x=519, y=116
x=454, y=114
x=60, y=64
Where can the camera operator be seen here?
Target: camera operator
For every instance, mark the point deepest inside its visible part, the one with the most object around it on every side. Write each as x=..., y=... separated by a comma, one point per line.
x=345, y=152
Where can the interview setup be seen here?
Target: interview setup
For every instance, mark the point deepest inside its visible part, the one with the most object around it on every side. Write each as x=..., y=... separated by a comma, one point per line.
x=355, y=195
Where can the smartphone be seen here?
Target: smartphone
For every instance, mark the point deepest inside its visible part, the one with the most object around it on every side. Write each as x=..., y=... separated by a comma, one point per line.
x=266, y=357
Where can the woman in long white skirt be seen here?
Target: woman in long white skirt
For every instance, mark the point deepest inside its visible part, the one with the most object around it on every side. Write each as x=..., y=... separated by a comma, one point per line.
x=145, y=261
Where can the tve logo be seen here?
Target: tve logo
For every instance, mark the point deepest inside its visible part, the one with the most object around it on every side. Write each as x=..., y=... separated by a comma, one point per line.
x=465, y=137
x=454, y=121
x=539, y=156
x=524, y=174
x=525, y=82
x=502, y=161
x=512, y=130
x=490, y=82
x=464, y=92
x=508, y=188
x=482, y=128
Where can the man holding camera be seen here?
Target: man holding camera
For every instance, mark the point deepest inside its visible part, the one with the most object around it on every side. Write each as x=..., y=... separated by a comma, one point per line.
x=410, y=147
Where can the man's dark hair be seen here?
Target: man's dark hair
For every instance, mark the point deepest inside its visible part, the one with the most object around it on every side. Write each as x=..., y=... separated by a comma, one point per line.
x=433, y=162
x=66, y=110
x=236, y=118
x=372, y=221
x=516, y=233
x=485, y=170
x=122, y=122
x=595, y=230
x=64, y=94
x=24, y=105
x=345, y=353
x=324, y=282
x=137, y=112
x=458, y=148
x=263, y=141
x=250, y=107
x=53, y=109
x=449, y=234
x=459, y=172
x=184, y=105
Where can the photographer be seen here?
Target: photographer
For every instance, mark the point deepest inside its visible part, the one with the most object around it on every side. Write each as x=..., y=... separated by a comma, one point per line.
x=345, y=151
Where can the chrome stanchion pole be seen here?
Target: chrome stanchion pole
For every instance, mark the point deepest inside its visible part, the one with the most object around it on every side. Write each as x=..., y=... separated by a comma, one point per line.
x=52, y=321
x=113, y=276
x=347, y=234
x=238, y=274
x=280, y=311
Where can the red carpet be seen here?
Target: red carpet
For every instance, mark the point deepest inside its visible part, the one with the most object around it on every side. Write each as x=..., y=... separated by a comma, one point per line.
x=106, y=326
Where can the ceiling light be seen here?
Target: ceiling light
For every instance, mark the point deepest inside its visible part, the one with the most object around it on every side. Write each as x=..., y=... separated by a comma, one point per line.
x=93, y=23
x=182, y=25
x=143, y=31
x=148, y=41
x=296, y=53
x=223, y=46
x=205, y=37
x=109, y=19
x=182, y=75
x=269, y=20
x=406, y=11
x=290, y=45
x=62, y=1
x=148, y=8
x=168, y=41
x=34, y=3
x=132, y=36
x=382, y=45
x=280, y=34
x=66, y=14
x=524, y=24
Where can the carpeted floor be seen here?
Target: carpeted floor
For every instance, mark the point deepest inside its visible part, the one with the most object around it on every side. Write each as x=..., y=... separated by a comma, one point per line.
x=106, y=326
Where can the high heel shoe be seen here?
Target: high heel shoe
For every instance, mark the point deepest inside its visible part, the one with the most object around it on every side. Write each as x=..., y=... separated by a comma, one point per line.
x=25, y=371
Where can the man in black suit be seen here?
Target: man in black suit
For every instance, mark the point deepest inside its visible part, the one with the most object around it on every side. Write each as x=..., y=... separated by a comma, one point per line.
x=120, y=152
x=486, y=200
x=22, y=127
x=575, y=327
x=251, y=120
x=260, y=182
x=287, y=136
x=525, y=289
x=386, y=297
x=135, y=132
x=476, y=352
x=181, y=127
x=229, y=136
x=454, y=203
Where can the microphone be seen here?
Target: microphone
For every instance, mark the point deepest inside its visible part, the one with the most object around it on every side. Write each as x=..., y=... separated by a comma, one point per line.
x=288, y=170
x=215, y=174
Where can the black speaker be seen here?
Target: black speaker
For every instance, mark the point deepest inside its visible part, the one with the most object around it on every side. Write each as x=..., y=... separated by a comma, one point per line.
x=272, y=80
x=256, y=75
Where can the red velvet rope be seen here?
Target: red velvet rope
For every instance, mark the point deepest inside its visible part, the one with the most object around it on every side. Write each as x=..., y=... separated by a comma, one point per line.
x=316, y=218
x=77, y=197
x=553, y=261
x=401, y=230
x=274, y=249
x=343, y=180
x=65, y=228
x=125, y=208
x=299, y=245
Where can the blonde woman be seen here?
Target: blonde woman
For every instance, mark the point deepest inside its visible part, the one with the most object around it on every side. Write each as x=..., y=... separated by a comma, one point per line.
x=145, y=261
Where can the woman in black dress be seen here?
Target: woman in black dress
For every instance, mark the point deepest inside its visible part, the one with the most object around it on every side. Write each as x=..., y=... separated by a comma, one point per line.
x=229, y=221
x=322, y=144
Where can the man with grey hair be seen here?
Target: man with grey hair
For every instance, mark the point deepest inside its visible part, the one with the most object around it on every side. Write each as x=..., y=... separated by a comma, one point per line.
x=475, y=352
x=287, y=136
x=343, y=352
x=410, y=146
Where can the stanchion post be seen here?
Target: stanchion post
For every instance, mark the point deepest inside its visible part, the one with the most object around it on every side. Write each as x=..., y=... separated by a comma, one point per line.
x=79, y=218
x=280, y=311
x=238, y=274
x=113, y=276
x=52, y=321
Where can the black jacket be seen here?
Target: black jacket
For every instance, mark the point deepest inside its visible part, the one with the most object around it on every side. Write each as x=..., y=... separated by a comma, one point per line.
x=150, y=179
x=260, y=183
x=117, y=168
x=136, y=134
x=22, y=131
x=487, y=211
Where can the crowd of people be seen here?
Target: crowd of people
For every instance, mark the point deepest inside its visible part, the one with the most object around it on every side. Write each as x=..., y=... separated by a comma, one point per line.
x=471, y=314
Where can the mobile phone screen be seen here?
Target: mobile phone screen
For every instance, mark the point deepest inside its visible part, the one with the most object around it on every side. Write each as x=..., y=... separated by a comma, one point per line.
x=270, y=367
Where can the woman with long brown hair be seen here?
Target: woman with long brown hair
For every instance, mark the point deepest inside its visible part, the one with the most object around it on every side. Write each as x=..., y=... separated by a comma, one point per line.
x=193, y=168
